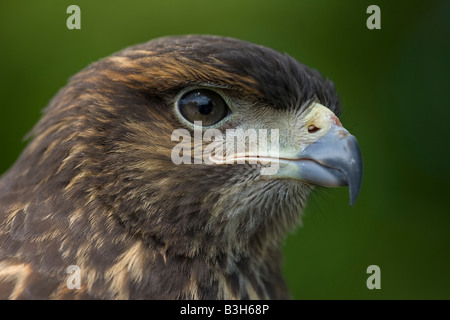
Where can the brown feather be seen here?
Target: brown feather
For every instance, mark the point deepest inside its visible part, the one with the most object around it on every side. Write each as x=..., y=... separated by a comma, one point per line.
x=96, y=186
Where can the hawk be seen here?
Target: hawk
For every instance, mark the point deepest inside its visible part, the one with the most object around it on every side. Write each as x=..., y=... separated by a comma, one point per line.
x=97, y=186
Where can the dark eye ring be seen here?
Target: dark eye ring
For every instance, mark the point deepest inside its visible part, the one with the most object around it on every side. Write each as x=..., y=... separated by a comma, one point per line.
x=203, y=105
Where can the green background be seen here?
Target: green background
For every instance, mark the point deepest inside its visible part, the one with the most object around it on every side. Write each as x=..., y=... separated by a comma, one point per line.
x=394, y=87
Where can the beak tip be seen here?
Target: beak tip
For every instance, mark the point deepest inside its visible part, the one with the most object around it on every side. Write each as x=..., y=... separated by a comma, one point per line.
x=352, y=201
x=355, y=183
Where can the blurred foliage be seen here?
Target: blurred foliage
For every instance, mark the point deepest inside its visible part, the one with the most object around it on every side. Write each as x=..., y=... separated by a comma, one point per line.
x=394, y=87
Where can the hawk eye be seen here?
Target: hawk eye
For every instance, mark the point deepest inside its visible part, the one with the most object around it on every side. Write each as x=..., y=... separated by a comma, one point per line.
x=203, y=105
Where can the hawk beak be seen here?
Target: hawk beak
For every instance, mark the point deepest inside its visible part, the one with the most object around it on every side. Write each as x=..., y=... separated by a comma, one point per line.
x=334, y=160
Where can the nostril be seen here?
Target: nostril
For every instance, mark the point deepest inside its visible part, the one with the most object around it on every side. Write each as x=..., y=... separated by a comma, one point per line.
x=312, y=128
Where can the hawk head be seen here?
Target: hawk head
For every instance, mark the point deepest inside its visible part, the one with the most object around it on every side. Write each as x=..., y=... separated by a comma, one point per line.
x=173, y=169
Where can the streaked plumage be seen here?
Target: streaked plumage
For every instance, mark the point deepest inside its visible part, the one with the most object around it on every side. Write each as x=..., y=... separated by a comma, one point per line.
x=96, y=186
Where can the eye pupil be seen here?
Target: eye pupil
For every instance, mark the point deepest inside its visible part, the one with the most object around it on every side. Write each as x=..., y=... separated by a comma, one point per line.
x=203, y=105
x=205, y=109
